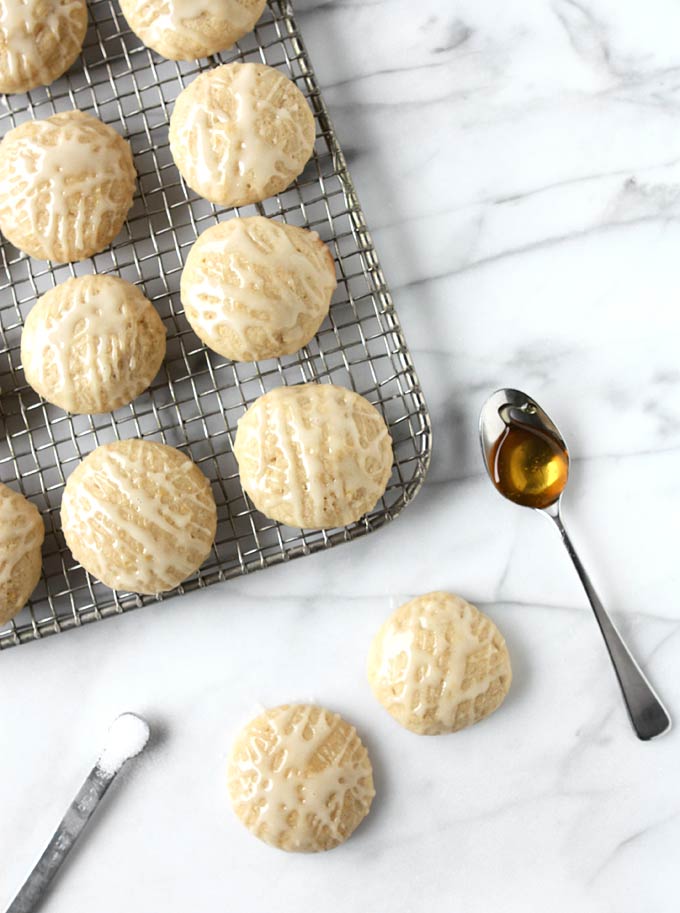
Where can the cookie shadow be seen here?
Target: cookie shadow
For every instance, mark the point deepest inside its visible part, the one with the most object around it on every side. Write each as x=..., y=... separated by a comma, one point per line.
x=372, y=825
x=520, y=662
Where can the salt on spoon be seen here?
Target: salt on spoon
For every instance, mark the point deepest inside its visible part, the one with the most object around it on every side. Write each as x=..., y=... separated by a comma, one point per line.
x=126, y=738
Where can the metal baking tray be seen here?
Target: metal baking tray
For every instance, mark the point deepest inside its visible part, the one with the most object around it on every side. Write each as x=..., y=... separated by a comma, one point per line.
x=198, y=397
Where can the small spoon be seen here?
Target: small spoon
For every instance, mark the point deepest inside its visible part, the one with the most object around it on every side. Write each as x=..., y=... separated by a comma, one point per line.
x=126, y=738
x=513, y=424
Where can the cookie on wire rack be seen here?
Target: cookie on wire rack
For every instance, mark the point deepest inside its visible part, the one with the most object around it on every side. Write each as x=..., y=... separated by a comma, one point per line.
x=314, y=456
x=22, y=532
x=254, y=288
x=189, y=29
x=300, y=778
x=66, y=185
x=39, y=40
x=438, y=664
x=92, y=344
x=240, y=133
x=139, y=516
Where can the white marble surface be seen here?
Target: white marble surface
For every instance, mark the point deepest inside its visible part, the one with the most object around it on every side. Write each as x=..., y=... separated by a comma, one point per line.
x=520, y=166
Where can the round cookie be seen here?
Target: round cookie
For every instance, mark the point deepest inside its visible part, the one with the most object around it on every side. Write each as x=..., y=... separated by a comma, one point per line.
x=139, y=516
x=300, y=779
x=92, y=344
x=240, y=133
x=66, y=185
x=188, y=29
x=315, y=455
x=39, y=40
x=438, y=664
x=21, y=535
x=254, y=288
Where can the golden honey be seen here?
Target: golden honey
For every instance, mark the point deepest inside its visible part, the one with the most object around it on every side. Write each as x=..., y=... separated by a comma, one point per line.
x=529, y=466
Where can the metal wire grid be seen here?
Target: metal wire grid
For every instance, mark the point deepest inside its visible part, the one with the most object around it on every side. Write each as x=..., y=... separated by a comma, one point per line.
x=198, y=397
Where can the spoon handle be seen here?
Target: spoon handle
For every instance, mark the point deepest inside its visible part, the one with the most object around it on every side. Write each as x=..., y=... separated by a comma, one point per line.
x=79, y=813
x=647, y=714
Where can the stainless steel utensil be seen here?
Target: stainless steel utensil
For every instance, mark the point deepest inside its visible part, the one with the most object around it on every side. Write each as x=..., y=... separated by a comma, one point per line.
x=126, y=738
x=647, y=714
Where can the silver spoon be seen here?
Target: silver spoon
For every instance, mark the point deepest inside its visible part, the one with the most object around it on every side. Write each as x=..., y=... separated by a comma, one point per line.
x=506, y=408
x=126, y=738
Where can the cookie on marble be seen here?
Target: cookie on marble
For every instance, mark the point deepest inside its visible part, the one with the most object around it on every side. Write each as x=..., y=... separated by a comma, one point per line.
x=438, y=664
x=254, y=288
x=39, y=40
x=240, y=133
x=314, y=456
x=300, y=779
x=22, y=532
x=189, y=29
x=139, y=516
x=92, y=344
x=66, y=185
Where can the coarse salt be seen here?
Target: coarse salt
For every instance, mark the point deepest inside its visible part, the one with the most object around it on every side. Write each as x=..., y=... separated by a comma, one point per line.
x=126, y=738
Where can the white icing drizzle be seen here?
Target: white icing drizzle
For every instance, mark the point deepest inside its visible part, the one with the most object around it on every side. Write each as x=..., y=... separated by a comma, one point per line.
x=235, y=153
x=316, y=429
x=94, y=325
x=67, y=166
x=21, y=530
x=258, y=157
x=433, y=654
x=244, y=304
x=62, y=162
x=165, y=527
x=19, y=21
x=297, y=776
x=189, y=29
x=179, y=16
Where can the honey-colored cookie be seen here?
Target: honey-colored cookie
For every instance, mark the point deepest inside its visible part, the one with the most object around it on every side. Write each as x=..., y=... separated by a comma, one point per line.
x=21, y=535
x=240, y=133
x=254, y=288
x=39, y=40
x=300, y=779
x=92, y=344
x=315, y=455
x=139, y=516
x=66, y=185
x=188, y=29
x=438, y=664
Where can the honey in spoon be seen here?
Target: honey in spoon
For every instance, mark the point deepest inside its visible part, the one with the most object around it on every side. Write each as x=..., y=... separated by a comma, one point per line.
x=529, y=466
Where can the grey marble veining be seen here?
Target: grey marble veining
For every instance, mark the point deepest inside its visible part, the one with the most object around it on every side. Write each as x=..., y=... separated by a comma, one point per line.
x=519, y=164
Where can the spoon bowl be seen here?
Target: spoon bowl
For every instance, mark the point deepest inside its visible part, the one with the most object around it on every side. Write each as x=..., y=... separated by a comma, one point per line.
x=524, y=451
x=508, y=405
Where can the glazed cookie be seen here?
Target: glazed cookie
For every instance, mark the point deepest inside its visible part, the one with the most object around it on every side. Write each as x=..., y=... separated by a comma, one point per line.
x=300, y=779
x=188, y=29
x=92, y=344
x=21, y=535
x=240, y=133
x=254, y=288
x=39, y=40
x=66, y=185
x=438, y=664
x=139, y=516
x=314, y=456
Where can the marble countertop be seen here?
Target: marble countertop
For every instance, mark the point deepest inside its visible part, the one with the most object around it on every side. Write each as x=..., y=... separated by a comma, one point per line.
x=519, y=164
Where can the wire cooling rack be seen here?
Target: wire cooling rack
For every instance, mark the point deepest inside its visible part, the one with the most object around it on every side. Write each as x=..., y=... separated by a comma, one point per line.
x=198, y=397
